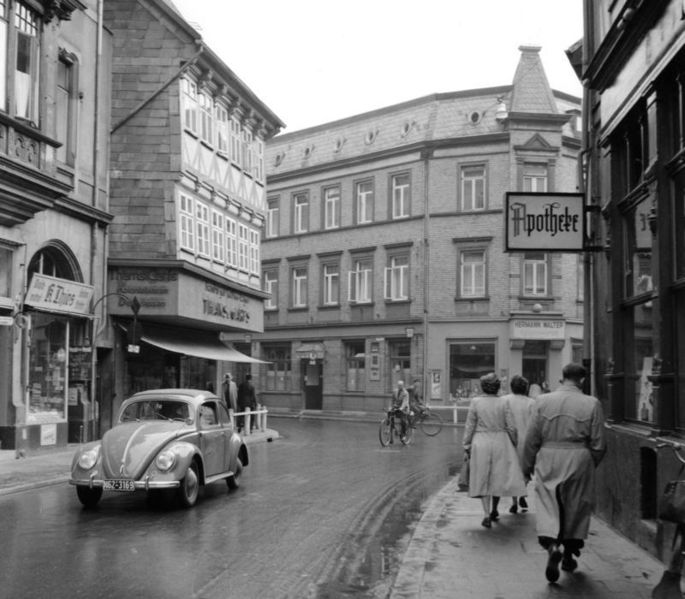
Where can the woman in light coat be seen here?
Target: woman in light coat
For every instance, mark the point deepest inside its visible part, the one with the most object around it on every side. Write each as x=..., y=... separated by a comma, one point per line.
x=489, y=441
x=521, y=407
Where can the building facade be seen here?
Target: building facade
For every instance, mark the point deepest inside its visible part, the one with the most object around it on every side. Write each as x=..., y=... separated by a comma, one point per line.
x=384, y=250
x=54, y=107
x=633, y=65
x=188, y=197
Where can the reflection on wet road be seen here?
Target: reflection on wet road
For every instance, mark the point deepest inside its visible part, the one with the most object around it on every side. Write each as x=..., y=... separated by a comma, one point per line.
x=324, y=511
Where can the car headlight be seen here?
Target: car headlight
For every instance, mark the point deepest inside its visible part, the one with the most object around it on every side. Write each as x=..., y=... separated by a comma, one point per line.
x=165, y=460
x=89, y=458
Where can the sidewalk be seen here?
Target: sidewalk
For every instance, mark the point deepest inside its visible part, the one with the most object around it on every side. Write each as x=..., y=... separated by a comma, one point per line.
x=452, y=556
x=49, y=467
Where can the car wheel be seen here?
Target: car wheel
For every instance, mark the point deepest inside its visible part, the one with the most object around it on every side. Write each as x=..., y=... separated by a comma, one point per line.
x=89, y=497
x=190, y=486
x=232, y=481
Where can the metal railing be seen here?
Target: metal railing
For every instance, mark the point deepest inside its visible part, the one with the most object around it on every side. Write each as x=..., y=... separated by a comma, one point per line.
x=253, y=419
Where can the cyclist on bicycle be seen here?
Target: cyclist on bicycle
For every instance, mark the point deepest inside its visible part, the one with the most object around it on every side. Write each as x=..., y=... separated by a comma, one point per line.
x=400, y=406
x=416, y=406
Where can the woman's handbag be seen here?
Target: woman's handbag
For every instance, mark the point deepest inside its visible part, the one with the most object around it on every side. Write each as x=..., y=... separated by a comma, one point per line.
x=672, y=503
x=463, y=479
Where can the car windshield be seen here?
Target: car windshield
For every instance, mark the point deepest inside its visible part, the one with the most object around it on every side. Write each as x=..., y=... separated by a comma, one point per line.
x=155, y=409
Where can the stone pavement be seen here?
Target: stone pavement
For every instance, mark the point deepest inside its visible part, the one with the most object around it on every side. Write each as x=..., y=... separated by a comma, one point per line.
x=53, y=466
x=451, y=556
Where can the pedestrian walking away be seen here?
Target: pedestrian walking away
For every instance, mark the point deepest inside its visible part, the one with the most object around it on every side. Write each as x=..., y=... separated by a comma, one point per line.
x=490, y=440
x=521, y=407
x=246, y=399
x=230, y=392
x=564, y=444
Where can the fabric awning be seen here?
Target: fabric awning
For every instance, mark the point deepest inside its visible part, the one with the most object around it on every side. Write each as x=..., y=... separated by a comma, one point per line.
x=201, y=344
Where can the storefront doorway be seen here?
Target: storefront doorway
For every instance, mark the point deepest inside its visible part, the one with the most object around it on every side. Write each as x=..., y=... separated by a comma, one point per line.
x=534, y=364
x=312, y=383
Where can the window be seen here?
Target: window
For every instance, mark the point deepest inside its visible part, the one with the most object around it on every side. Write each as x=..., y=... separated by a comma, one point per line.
x=469, y=360
x=272, y=216
x=535, y=177
x=359, y=281
x=65, y=107
x=331, y=284
x=246, y=151
x=397, y=278
x=299, y=288
x=472, y=188
x=472, y=273
x=401, y=195
x=222, y=129
x=4, y=31
x=231, y=242
x=218, y=232
x=535, y=275
x=190, y=105
x=202, y=228
x=206, y=117
x=258, y=160
x=254, y=252
x=186, y=223
x=399, y=351
x=355, y=358
x=331, y=202
x=243, y=247
x=27, y=51
x=364, y=203
x=235, y=140
x=277, y=371
x=271, y=286
x=301, y=213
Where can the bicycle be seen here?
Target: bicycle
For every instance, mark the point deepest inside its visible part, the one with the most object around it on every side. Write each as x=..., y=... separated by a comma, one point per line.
x=428, y=421
x=391, y=426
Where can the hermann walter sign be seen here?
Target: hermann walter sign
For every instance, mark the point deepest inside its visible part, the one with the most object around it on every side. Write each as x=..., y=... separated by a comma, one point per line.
x=545, y=222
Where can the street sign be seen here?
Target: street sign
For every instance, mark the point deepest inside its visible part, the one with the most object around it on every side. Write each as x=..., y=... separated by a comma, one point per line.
x=544, y=222
x=6, y=321
x=133, y=349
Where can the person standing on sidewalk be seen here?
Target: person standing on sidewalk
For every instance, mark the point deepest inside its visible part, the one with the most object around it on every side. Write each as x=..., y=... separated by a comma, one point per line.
x=564, y=445
x=246, y=399
x=490, y=443
x=521, y=407
x=230, y=390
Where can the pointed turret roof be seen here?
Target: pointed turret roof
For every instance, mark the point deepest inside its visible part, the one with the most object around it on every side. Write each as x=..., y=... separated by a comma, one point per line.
x=530, y=90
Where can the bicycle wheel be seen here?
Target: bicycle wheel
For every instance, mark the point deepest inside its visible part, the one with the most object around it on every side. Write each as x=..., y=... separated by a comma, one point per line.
x=385, y=432
x=431, y=423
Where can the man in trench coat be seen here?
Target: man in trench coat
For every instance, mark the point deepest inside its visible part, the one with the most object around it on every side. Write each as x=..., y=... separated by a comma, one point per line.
x=563, y=446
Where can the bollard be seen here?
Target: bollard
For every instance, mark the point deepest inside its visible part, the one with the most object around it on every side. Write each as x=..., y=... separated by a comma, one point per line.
x=248, y=422
x=231, y=417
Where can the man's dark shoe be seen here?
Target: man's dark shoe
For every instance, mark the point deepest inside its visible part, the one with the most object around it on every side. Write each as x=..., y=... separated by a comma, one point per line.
x=494, y=515
x=552, y=569
x=568, y=564
x=513, y=509
x=523, y=504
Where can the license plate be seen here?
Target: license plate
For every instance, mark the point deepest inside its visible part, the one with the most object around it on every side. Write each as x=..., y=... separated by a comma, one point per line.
x=119, y=484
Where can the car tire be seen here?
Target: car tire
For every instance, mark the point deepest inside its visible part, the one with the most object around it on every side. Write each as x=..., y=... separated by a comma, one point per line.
x=232, y=481
x=190, y=486
x=89, y=497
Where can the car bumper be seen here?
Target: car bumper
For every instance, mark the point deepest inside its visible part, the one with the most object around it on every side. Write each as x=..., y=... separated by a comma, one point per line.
x=145, y=484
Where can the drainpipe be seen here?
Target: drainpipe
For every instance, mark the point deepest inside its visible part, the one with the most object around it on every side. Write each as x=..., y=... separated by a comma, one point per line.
x=427, y=153
x=186, y=65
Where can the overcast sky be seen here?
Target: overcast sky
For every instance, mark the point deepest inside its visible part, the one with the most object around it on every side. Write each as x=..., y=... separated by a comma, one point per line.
x=315, y=61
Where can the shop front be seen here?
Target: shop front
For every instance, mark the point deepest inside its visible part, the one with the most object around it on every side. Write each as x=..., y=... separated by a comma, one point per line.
x=182, y=319
x=58, y=408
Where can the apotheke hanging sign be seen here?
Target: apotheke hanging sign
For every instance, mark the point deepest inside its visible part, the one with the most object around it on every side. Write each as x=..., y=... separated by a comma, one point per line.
x=546, y=222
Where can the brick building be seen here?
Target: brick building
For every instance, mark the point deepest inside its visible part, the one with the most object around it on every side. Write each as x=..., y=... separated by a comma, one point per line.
x=54, y=107
x=384, y=250
x=188, y=196
x=632, y=59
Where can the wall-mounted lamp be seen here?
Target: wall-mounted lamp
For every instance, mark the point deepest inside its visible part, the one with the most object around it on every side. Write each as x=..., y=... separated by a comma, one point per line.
x=409, y=331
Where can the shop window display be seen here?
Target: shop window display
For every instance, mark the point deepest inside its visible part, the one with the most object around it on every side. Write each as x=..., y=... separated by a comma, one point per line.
x=48, y=369
x=468, y=362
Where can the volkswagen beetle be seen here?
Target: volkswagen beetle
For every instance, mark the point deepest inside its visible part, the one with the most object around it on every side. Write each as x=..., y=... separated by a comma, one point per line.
x=164, y=439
